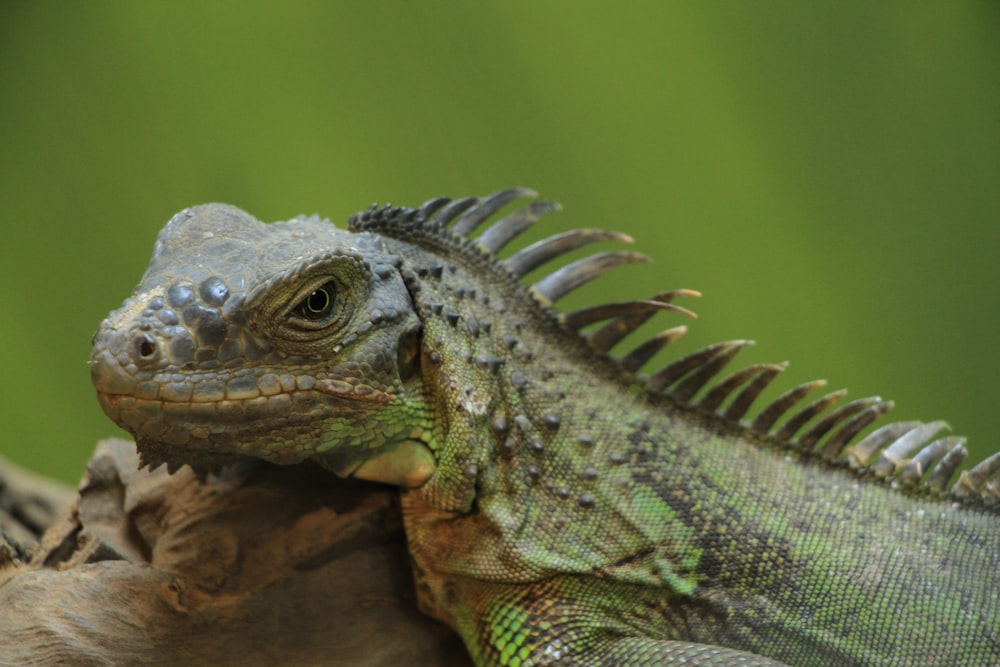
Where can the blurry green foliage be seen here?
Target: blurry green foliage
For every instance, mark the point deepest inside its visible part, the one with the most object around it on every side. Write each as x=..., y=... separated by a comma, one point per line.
x=826, y=173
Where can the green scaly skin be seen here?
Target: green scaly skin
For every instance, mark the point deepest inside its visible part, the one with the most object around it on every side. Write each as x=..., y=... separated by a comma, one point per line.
x=559, y=509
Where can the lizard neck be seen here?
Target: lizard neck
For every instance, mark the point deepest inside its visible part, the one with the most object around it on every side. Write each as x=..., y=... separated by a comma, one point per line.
x=515, y=395
x=535, y=440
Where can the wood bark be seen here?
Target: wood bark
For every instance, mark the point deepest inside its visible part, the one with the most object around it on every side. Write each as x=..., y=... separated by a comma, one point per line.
x=259, y=565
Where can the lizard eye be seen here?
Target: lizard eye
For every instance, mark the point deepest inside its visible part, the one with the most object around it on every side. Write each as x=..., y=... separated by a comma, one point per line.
x=318, y=304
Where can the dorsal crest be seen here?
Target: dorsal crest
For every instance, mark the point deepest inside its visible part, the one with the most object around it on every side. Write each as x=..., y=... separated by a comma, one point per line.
x=911, y=456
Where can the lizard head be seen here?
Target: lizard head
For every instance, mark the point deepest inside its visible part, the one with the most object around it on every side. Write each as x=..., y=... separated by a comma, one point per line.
x=285, y=342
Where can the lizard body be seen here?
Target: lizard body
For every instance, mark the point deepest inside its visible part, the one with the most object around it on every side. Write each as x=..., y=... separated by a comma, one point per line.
x=560, y=507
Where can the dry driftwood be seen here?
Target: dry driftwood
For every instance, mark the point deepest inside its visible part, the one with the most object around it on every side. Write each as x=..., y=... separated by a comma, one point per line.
x=29, y=504
x=258, y=566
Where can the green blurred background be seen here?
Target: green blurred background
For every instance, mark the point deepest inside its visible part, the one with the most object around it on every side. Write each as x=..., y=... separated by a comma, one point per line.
x=825, y=173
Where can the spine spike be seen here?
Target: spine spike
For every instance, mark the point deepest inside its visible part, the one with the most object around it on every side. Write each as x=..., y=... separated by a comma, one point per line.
x=638, y=357
x=566, y=279
x=835, y=443
x=453, y=209
x=896, y=454
x=474, y=216
x=912, y=470
x=741, y=404
x=544, y=251
x=808, y=440
x=797, y=421
x=947, y=466
x=578, y=319
x=860, y=454
x=773, y=412
x=430, y=207
x=505, y=230
x=691, y=384
x=970, y=481
x=667, y=376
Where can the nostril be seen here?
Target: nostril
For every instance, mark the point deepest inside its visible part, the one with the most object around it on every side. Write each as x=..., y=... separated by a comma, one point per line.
x=145, y=347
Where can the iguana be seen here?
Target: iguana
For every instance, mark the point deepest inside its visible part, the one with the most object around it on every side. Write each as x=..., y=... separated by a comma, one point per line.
x=561, y=506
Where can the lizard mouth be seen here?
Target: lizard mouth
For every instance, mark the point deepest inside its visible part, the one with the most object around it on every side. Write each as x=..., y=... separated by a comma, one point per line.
x=206, y=434
x=179, y=422
x=274, y=415
x=267, y=415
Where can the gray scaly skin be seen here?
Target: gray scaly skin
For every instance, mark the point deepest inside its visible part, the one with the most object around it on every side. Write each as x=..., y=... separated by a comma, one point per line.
x=561, y=507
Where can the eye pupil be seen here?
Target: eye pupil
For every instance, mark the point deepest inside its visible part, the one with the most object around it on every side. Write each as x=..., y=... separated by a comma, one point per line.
x=318, y=305
x=318, y=301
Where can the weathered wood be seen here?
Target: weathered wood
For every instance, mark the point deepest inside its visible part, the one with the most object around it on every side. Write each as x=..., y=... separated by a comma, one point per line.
x=258, y=566
x=29, y=503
